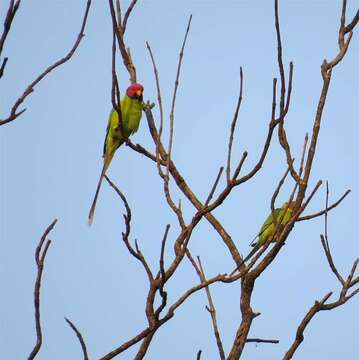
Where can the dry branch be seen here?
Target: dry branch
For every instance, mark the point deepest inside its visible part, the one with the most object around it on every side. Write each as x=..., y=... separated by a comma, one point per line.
x=180, y=59
x=119, y=31
x=259, y=340
x=10, y=15
x=40, y=255
x=136, y=253
x=211, y=308
x=322, y=305
x=157, y=317
x=233, y=127
x=13, y=113
x=79, y=337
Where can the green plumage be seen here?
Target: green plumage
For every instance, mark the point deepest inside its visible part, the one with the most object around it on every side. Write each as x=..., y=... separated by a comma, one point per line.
x=282, y=216
x=131, y=111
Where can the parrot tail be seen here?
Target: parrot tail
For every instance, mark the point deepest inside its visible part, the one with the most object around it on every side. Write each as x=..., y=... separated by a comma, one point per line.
x=93, y=206
x=254, y=250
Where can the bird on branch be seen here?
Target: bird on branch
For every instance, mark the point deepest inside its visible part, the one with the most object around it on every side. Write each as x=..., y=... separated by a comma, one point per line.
x=116, y=133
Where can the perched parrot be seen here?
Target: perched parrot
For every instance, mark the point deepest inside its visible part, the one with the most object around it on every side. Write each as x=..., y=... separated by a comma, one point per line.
x=281, y=215
x=131, y=110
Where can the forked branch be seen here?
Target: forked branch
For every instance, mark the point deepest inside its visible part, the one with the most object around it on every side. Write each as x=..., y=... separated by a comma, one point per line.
x=40, y=255
x=14, y=113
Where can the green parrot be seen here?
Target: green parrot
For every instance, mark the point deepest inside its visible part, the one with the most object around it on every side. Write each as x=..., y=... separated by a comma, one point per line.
x=131, y=110
x=281, y=215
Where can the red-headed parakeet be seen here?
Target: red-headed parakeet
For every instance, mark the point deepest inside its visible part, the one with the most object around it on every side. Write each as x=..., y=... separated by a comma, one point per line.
x=131, y=110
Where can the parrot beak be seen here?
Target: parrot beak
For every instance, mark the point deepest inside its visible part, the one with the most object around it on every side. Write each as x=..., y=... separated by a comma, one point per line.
x=139, y=93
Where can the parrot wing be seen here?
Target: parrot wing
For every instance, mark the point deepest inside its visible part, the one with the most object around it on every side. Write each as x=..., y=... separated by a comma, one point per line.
x=266, y=224
x=105, y=142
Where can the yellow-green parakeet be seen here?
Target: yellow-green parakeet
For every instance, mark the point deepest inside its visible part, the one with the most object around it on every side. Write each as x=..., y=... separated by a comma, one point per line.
x=282, y=216
x=131, y=110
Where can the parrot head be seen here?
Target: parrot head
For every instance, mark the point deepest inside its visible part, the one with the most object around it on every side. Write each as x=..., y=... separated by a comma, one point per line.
x=135, y=91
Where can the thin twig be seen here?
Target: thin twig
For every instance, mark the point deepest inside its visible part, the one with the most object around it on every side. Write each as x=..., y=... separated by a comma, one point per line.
x=118, y=12
x=163, y=273
x=324, y=239
x=233, y=127
x=277, y=190
x=259, y=340
x=115, y=88
x=210, y=195
x=328, y=254
x=127, y=14
x=163, y=244
x=322, y=212
x=125, y=235
x=126, y=57
x=40, y=255
x=308, y=317
x=175, y=94
x=283, y=103
x=13, y=114
x=212, y=310
x=239, y=167
x=350, y=27
x=171, y=312
x=10, y=15
x=79, y=337
x=2, y=68
x=159, y=99
x=166, y=187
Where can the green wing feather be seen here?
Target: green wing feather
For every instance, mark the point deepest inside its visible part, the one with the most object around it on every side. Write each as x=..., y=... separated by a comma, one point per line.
x=131, y=111
x=268, y=228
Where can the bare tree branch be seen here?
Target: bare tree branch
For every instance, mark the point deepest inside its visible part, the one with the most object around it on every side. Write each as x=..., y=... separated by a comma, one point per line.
x=322, y=305
x=159, y=99
x=183, y=186
x=175, y=94
x=2, y=68
x=212, y=310
x=233, y=127
x=126, y=56
x=115, y=88
x=259, y=340
x=10, y=15
x=125, y=235
x=350, y=27
x=210, y=195
x=79, y=336
x=40, y=255
x=13, y=113
x=176, y=209
x=322, y=212
x=308, y=317
x=163, y=273
x=127, y=14
x=156, y=318
x=284, y=105
x=168, y=316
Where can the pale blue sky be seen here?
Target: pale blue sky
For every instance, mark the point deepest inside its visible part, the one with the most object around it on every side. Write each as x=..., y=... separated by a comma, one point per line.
x=51, y=159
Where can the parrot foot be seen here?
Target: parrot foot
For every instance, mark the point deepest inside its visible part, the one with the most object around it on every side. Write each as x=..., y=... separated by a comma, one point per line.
x=148, y=105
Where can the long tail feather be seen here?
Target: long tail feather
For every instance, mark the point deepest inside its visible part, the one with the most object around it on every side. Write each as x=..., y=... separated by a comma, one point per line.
x=253, y=251
x=93, y=206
